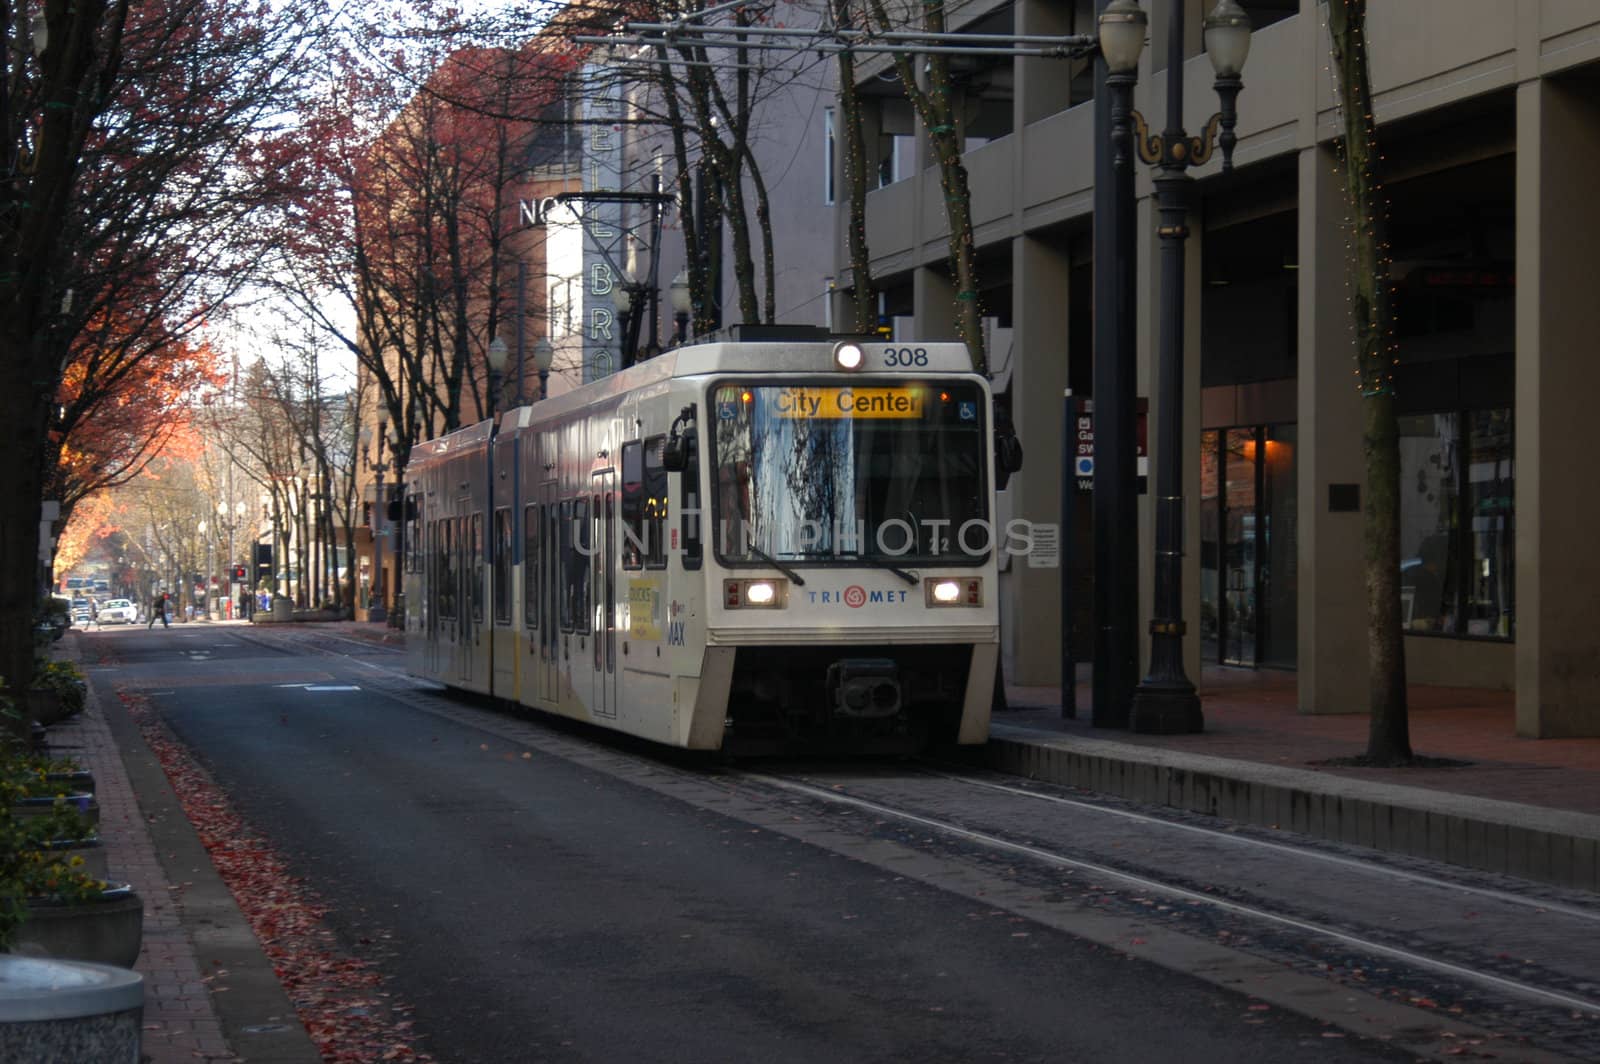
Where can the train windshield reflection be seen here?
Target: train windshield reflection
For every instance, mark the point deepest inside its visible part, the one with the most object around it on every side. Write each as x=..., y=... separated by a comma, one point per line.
x=877, y=470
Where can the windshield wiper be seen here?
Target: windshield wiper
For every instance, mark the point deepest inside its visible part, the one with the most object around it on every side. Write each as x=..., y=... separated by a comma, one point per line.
x=776, y=564
x=878, y=563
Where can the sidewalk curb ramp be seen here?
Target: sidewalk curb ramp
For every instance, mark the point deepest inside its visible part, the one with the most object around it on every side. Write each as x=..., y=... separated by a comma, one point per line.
x=1553, y=846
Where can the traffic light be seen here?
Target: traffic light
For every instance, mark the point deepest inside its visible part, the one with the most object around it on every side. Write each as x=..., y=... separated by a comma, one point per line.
x=241, y=573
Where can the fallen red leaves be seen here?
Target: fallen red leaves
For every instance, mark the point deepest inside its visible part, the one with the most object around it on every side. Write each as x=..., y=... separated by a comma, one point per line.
x=340, y=999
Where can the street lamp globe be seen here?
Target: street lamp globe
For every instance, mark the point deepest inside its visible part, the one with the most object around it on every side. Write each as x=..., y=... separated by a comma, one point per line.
x=1122, y=31
x=1227, y=38
x=498, y=353
x=544, y=354
x=681, y=303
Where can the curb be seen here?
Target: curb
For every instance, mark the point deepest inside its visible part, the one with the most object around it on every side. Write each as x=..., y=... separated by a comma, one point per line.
x=258, y=1021
x=1553, y=846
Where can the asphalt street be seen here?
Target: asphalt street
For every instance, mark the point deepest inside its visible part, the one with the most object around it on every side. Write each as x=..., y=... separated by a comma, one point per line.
x=539, y=893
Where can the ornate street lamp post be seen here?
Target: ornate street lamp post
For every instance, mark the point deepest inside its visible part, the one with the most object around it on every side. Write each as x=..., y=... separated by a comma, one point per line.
x=377, y=596
x=1165, y=700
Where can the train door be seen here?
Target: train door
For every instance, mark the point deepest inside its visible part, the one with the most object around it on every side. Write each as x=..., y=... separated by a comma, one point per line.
x=549, y=667
x=603, y=546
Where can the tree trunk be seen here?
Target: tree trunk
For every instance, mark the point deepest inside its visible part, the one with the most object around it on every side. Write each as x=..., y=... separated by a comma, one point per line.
x=1388, y=736
x=935, y=109
x=862, y=296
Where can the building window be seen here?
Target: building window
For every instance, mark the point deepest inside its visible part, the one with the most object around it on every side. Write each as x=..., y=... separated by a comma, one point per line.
x=1457, y=524
x=830, y=156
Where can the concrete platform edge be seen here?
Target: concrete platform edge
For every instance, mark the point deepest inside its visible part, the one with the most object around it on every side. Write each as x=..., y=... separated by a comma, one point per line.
x=1552, y=846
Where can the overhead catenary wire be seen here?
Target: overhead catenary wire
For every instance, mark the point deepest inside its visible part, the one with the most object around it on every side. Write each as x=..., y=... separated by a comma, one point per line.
x=835, y=41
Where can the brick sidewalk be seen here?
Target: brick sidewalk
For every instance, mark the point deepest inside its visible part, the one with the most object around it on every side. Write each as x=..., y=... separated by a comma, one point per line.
x=1251, y=716
x=180, y=1022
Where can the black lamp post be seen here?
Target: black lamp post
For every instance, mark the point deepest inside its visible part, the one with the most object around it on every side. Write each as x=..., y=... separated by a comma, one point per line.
x=681, y=305
x=625, y=311
x=377, y=597
x=1165, y=700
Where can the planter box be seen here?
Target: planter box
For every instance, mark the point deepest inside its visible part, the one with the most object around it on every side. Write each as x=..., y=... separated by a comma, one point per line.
x=106, y=931
x=84, y=804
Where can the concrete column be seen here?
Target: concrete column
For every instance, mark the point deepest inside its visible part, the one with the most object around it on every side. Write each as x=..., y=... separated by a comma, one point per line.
x=1330, y=588
x=1031, y=605
x=934, y=297
x=1043, y=86
x=1558, y=378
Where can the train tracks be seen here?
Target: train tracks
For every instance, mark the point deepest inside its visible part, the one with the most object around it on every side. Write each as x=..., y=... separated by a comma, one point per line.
x=1444, y=961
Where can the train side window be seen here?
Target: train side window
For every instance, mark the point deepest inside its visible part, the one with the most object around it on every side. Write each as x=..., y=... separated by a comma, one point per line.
x=565, y=556
x=578, y=567
x=502, y=566
x=689, y=515
x=412, y=528
x=475, y=566
x=634, y=543
x=655, y=504
x=530, y=567
x=444, y=588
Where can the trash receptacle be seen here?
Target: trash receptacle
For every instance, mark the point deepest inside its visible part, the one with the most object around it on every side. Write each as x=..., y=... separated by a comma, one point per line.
x=69, y=1010
x=282, y=608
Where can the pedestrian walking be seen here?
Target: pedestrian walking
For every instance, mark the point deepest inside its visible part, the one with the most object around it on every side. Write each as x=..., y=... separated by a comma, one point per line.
x=158, y=608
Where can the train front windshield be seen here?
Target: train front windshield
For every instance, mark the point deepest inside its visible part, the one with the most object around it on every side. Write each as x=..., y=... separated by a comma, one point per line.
x=886, y=472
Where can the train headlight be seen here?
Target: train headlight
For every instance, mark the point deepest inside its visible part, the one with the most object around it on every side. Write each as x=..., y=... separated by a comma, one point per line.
x=755, y=594
x=848, y=355
x=953, y=591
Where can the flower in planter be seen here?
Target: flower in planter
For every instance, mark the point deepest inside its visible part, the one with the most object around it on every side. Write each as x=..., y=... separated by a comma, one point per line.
x=52, y=881
x=29, y=872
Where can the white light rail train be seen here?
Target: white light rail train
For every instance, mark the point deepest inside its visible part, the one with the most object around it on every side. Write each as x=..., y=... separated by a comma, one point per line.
x=754, y=546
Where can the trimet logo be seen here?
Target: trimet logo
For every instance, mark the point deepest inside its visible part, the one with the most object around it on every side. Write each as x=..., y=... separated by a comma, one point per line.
x=855, y=596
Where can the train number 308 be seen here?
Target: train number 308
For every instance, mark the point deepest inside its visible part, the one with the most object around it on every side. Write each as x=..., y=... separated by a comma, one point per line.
x=905, y=356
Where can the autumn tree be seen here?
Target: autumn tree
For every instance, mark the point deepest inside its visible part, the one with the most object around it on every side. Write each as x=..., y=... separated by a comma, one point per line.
x=140, y=140
x=1371, y=310
x=409, y=219
x=118, y=405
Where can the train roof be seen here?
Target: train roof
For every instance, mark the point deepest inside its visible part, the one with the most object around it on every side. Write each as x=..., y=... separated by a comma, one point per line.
x=807, y=352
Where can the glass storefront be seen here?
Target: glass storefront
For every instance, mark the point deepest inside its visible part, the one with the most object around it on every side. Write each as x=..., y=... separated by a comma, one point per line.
x=1247, y=546
x=1457, y=543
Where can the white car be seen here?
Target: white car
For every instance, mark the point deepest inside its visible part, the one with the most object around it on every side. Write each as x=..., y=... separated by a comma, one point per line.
x=118, y=611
